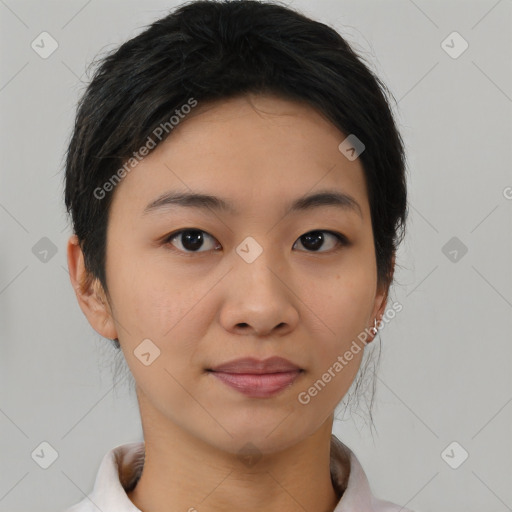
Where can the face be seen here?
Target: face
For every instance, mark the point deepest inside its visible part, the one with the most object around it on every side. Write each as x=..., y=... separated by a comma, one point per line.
x=257, y=278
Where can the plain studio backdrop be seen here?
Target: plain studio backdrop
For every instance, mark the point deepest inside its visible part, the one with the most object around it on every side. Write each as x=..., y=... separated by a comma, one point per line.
x=443, y=410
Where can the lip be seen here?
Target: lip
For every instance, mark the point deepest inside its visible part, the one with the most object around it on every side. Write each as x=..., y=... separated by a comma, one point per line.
x=258, y=385
x=255, y=378
x=251, y=365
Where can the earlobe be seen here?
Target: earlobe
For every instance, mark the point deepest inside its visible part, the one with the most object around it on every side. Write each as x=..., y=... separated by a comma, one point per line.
x=377, y=316
x=380, y=302
x=89, y=292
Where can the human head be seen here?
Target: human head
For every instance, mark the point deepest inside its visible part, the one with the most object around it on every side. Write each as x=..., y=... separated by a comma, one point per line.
x=214, y=52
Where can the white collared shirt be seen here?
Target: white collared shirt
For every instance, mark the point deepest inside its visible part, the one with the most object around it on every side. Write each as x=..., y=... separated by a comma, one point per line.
x=122, y=466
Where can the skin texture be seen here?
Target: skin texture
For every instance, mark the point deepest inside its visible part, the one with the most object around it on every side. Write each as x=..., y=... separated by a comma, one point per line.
x=205, y=308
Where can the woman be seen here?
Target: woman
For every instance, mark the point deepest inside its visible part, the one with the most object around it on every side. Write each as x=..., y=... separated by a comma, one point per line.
x=236, y=178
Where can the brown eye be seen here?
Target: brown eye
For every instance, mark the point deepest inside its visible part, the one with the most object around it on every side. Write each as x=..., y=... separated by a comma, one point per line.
x=313, y=241
x=192, y=240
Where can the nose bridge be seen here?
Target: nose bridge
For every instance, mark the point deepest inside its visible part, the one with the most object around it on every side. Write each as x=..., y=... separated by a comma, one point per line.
x=256, y=296
x=256, y=268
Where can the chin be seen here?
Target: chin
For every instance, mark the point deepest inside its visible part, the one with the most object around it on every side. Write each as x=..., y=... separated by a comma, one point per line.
x=260, y=439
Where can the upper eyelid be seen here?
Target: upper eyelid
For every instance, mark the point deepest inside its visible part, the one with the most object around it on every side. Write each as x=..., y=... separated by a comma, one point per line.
x=176, y=233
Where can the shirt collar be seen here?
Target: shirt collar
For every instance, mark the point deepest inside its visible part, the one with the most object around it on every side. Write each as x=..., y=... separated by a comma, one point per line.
x=121, y=468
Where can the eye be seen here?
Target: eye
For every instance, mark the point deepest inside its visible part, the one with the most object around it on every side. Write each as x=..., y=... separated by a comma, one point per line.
x=313, y=240
x=191, y=240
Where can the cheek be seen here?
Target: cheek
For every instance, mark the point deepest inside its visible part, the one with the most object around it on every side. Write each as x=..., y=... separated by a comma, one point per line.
x=173, y=322
x=158, y=305
x=148, y=298
x=343, y=303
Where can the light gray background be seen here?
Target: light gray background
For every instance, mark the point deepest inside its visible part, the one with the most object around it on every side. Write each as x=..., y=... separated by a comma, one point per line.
x=446, y=369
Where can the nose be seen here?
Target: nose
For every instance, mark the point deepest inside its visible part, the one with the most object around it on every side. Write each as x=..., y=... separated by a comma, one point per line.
x=258, y=299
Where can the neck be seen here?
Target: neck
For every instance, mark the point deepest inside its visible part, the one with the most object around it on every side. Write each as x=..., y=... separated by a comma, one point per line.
x=187, y=472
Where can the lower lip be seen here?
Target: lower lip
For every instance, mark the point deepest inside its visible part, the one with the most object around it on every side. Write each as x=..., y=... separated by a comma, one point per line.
x=258, y=386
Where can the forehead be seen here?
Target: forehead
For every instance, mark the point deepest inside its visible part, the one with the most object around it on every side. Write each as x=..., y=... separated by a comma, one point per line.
x=254, y=151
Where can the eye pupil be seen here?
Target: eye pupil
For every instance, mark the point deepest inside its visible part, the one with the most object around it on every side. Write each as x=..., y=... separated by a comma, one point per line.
x=192, y=240
x=313, y=240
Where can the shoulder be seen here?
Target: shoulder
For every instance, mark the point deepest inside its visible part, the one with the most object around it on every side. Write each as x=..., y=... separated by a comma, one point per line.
x=357, y=495
x=83, y=506
x=119, y=469
x=387, y=506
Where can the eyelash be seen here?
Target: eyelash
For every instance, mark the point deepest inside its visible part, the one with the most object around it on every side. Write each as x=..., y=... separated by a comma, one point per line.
x=341, y=239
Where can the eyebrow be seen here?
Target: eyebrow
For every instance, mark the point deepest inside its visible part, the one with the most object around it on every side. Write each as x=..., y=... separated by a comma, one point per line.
x=206, y=201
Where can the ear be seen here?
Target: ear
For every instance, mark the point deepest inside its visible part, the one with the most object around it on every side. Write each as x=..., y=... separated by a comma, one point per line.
x=381, y=300
x=89, y=292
